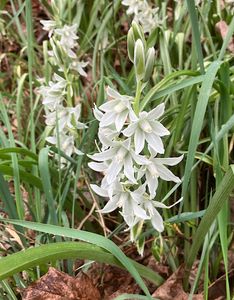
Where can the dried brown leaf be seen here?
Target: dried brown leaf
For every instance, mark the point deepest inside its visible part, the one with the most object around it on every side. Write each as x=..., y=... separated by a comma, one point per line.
x=56, y=285
x=173, y=288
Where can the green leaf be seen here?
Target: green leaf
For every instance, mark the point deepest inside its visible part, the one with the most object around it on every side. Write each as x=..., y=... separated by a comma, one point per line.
x=221, y=195
x=86, y=237
x=45, y=178
x=35, y=256
x=198, y=120
x=196, y=33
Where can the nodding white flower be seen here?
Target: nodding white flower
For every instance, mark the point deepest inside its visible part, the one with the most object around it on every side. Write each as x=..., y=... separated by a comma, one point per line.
x=119, y=157
x=107, y=135
x=78, y=67
x=135, y=6
x=65, y=142
x=155, y=168
x=125, y=199
x=148, y=18
x=151, y=209
x=116, y=110
x=65, y=117
x=146, y=127
x=144, y=14
x=53, y=94
x=48, y=25
x=68, y=38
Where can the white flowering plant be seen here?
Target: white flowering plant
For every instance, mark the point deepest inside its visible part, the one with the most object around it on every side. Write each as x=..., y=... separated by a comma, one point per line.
x=61, y=116
x=132, y=146
x=116, y=137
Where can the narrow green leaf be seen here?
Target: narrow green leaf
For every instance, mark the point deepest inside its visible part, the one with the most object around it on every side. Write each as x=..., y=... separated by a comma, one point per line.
x=86, y=237
x=198, y=120
x=35, y=256
x=45, y=178
x=221, y=195
x=196, y=33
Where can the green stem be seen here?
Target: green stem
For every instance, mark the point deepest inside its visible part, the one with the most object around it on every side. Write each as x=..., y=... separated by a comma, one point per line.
x=136, y=103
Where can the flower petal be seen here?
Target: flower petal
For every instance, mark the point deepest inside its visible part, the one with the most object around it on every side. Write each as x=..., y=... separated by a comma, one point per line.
x=155, y=142
x=112, y=171
x=170, y=161
x=157, y=112
x=120, y=120
x=129, y=131
x=159, y=129
x=107, y=119
x=99, y=167
x=140, y=212
x=129, y=169
x=157, y=221
x=152, y=183
x=110, y=206
x=102, y=156
x=139, y=140
x=99, y=191
x=162, y=205
x=166, y=174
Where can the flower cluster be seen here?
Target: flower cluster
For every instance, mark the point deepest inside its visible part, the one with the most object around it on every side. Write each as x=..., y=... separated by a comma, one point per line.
x=144, y=14
x=61, y=117
x=131, y=142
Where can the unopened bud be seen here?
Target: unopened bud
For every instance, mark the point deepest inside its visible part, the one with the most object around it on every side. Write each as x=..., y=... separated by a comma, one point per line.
x=138, y=32
x=130, y=44
x=150, y=57
x=139, y=59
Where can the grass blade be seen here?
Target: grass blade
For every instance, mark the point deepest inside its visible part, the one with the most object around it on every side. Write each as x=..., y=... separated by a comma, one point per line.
x=198, y=121
x=221, y=195
x=33, y=257
x=86, y=237
x=46, y=183
x=196, y=33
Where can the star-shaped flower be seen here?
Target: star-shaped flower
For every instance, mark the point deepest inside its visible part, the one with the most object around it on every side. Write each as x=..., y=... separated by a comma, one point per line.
x=125, y=199
x=155, y=168
x=116, y=110
x=79, y=66
x=119, y=157
x=147, y=128
x=65, y=117
x=156, y=219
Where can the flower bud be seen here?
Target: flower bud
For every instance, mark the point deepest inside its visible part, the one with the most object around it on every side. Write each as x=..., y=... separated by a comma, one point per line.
x=139, y=59
x=58, y=52
x=138, y=32
x=150, y=57
x=130, y=44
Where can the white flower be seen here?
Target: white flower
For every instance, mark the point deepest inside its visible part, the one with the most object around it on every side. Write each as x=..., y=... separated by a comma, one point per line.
x=53, y=94
x=156, y=219
x=135, y=6
x=68, y=38
x=148, y=18
x=155, y=168
x=65, y=117
x=144, y=14
x=146, y=127
x=119, y=157
x=48, y=25
x=125, y=199
x=78, y=67
x=65, y=142
x=107, y=136
x=116, y=110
